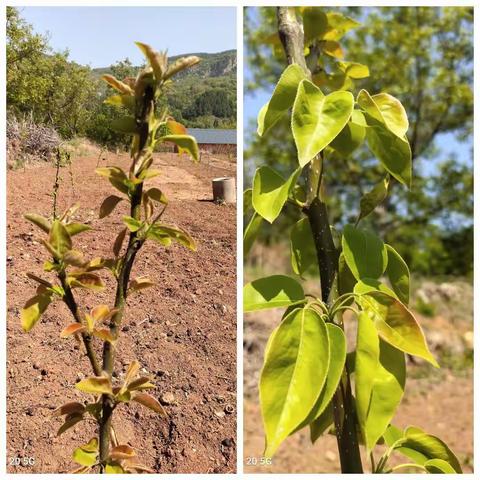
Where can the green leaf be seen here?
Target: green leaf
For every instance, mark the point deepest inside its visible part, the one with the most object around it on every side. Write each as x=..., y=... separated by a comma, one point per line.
x=396, y=324
x=185, y=143
x=86, y=454
x=140, y=283
x=157, y=195
x=76, y=228
x=428, y=445
x=368, y=285
x=114, y=468
x=339, y=25
x=398, y=274
x=132, y=224
x=336, y=363
x=108, y=205
x=303, y=254
x=95, y=385
x=349, y=139
x=354, y=70
x=272, y=292
x=59, y=238
x=122, y=100
x=379, y=386
x=159, y=231
x=39, y=221
x=391, y=149
x=375, y=197
x=270, y=191
x=317, y=119
x=116, y=176
x=437, y=465
x=321, y=424
x=345, y=279
x=247, y=201
x=282, y=98
x=125, y=124
x=393, y=113
x=34, y=309
x=315, y=23
x=251, y=232
x=364, y=252
x=293, y=374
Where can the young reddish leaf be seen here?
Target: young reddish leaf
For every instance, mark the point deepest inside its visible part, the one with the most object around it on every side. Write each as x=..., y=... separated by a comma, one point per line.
x=72, y=329
x=175, y=128
x=39, y=221
x=142, y=383
x=117, y=245
x=100, y=313
x=95, y=385
x=69, y=409
x=132, y=370
x=150, y=402
x=140, y=283
x=70, y=421
x=59, y=238
x=76, y=228
x=86, y=280
x=108, y=205
x=181, y=64
x=33, y=310
x=122, y=452
x=117, y=84
x=157, y=60
x=103, y=334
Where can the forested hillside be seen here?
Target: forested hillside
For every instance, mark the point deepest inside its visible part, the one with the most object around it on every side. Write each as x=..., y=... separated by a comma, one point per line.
x=47, y=89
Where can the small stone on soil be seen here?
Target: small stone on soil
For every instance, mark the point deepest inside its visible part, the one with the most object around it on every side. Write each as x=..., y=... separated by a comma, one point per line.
x=167, y=398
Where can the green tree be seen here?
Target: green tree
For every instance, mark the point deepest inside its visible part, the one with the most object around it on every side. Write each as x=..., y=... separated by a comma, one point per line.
x=423, y=56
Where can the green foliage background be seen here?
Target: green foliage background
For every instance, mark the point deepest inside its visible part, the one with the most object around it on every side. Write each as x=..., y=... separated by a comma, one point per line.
x=58, y=92
x=424, y=57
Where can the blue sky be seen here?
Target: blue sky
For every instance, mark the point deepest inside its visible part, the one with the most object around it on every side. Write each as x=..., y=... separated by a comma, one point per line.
x=100, y=36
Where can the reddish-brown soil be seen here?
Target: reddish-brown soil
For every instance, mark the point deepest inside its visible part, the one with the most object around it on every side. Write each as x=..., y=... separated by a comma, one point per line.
x=182, y=331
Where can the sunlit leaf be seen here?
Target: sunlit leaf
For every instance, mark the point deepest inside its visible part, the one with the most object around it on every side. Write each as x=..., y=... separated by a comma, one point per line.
x=368, y=285
x=86, y=454
x=339, y=25
x=293, y=374
x=174, y=233
x=157, y=60
x=103, y=334
x=76, y=228
x=354, y=70
x=270, y=191
x=185, y=143
x=272, y=292
x=95, y=385
x=114, y=467
x=87, y=280
x=132, y=371
x=317, y=119
x=181, y=64
x=150, y=402
x=132, y=224
x=282, y=98
x=59, y=238
x=117, y=84
x=332, y=48
x=122, y=452
x=116, y=176
x=39, y=221
x=140, y=283
x=72, y=329
x=34, y=309
x=396, y=324
x=437, y=465
x=141, y=383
